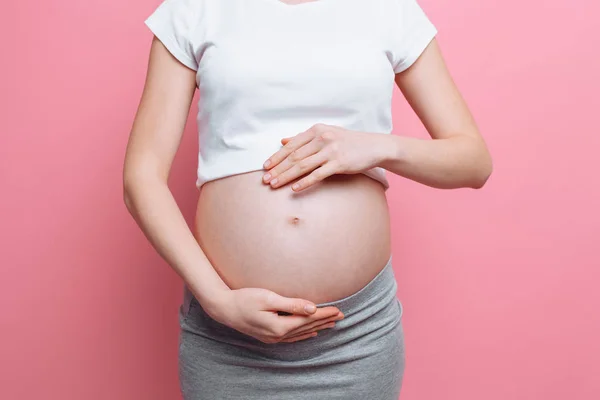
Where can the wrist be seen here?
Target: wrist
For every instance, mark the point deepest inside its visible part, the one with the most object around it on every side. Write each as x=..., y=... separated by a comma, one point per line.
x=210, y=294
x=215, y=302
x=385, y=150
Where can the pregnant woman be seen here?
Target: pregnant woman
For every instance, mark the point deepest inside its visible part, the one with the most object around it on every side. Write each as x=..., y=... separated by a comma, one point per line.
x=294, y=123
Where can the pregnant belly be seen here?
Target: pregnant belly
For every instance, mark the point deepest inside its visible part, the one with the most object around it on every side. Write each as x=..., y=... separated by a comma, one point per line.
x=321, y=244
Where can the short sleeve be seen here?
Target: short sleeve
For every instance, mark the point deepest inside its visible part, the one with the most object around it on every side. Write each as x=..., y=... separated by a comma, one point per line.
x=411, y=31
x=172, y=23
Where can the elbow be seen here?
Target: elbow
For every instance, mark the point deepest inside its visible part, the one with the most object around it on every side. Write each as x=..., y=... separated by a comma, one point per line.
x=140, y=183
x=483, y=171
x=127, y=196
x=141, y=177
x=129, y=188
x=127, y=200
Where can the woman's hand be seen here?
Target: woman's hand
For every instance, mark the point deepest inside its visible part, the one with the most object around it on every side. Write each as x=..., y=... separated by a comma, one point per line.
x=323, y=150
x=253, y=311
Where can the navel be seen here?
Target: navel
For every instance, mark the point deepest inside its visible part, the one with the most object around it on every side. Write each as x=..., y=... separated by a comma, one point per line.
x=294, y=220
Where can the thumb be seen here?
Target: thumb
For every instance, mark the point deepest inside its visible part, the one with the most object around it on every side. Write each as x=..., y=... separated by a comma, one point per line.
x=291, y=305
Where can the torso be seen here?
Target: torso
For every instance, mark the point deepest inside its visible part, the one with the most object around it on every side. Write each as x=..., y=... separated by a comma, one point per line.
x=270, y=71
x=321, y=244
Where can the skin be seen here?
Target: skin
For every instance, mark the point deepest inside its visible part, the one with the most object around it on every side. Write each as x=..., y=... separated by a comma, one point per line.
x=457, y=157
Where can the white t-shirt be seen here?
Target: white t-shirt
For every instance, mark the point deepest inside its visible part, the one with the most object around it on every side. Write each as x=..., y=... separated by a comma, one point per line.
x=267, y=70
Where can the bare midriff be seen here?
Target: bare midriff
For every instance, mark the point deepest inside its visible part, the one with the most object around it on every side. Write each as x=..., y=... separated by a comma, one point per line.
x=321, y=244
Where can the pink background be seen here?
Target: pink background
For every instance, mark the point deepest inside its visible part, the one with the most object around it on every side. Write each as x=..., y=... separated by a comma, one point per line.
x=499, y=286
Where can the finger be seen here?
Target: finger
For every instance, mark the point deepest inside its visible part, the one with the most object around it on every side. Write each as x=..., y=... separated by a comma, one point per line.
x=289, y=323
x=276, y=302
x=299, y=169
x=317, y=328
x=296, y=142
x=309, y=327
x=321, y=313
x=313, y=325
x=327, y=169
x=300, y=337
x=295, y=157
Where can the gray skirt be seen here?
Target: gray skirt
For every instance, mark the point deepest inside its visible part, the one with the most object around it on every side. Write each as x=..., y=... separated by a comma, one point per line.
x=361, y=357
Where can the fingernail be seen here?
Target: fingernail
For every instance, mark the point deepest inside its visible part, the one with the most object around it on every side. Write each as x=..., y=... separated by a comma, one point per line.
x=266, y=177
x=274, y=181
x=295, y=186
x=267, y=163
x=310, y=308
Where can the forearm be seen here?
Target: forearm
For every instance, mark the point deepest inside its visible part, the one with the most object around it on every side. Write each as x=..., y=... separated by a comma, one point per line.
x=459, y=161
x=155, y=210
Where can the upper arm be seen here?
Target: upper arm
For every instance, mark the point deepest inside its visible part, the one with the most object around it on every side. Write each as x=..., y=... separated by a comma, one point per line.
x=167, y=94
x=421, y=73
x=432, y=93
x=161, y=115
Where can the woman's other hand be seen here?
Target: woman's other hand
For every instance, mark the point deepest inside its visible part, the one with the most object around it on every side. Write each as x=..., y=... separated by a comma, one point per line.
x=254, y=312
x=323, y=150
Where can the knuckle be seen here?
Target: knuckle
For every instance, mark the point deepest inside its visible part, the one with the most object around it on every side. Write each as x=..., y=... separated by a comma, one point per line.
x=327, y=135
x=303, y=165
x=298, y=307
x=269, y=299
x=338, y=165
x=293, y=157
x=278, y=333
x=288, y=146
x=318, y=127
x=334, y=148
